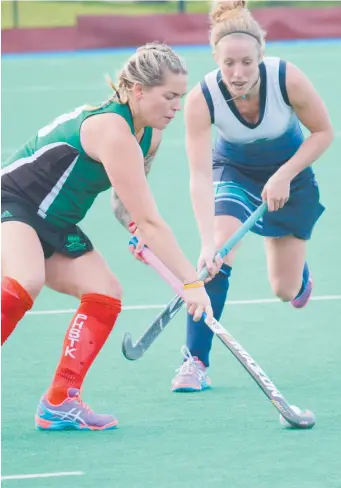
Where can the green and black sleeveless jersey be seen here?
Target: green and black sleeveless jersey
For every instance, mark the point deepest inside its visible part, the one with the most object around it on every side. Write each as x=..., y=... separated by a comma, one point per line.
x=54, y=175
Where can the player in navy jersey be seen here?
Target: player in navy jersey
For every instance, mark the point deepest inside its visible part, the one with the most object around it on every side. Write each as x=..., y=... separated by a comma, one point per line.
x=256, y=104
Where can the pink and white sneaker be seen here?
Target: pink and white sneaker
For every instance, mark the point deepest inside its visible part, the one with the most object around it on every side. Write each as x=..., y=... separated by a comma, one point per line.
x=191, y=376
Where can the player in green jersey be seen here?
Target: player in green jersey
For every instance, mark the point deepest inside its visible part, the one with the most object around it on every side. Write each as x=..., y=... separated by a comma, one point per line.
x=47, y=188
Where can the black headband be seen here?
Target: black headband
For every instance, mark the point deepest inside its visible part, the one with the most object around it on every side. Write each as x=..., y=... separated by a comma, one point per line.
x=242, y=32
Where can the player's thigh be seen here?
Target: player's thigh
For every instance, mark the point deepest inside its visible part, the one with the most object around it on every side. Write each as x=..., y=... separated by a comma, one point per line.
x=235, y=200
x=88, y=273
x=22, y=256
x=224, y=227
x=285, y=260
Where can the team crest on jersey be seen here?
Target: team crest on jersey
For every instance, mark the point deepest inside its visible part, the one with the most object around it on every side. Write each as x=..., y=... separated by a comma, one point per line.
x=74, y=243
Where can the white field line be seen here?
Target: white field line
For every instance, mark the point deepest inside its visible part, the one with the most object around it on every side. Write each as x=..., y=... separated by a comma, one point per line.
x=42, y=475
x=257, y=301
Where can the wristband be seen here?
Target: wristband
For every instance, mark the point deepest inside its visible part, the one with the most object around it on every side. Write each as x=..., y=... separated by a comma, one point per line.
x=194, y=284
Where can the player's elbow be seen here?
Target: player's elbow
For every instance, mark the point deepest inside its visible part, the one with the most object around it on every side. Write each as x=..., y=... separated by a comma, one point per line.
x=327, y=138
x=329, y=135
x=324, y=138
x=150, y=225
x=328, y=132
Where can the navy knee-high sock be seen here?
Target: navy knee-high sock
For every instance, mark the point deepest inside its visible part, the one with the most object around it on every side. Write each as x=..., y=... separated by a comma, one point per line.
x=199, y=336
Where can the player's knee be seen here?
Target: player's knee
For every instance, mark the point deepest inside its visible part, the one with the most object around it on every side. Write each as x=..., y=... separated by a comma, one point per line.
x=284, y=291
x=115, y=289
x=220, y=240
x=33, y=285
x=110, y=287
x=225, y=227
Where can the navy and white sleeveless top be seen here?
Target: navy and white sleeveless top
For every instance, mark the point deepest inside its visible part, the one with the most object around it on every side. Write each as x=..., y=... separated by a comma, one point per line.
x=269, y=142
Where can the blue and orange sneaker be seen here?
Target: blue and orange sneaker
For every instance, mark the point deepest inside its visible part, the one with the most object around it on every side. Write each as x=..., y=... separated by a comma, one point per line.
x=71, y=414
x=191, y=376
x=302, y=300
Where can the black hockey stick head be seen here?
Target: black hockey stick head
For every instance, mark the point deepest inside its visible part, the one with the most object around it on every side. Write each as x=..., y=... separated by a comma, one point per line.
x=131, y=352
x=135, y=351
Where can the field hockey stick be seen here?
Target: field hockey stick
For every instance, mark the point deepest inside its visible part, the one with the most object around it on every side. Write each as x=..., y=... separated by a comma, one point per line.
x=294, y=416
x=135, y=351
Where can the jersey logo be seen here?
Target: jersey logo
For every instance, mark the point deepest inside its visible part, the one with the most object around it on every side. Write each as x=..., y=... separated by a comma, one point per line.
x=6, y=214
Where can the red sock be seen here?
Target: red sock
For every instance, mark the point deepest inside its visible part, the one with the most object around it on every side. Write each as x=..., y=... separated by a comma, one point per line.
x=85, y=337
x=15, y=301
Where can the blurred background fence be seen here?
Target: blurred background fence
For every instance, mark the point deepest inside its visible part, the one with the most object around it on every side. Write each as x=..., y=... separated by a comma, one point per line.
x=48, y=13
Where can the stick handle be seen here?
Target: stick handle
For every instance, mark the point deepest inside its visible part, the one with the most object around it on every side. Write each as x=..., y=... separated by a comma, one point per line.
x=174, y=282
x=238, y=235
x=223, y=251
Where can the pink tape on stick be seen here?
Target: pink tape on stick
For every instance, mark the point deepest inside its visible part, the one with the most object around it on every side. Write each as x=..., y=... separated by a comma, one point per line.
x=163, y=271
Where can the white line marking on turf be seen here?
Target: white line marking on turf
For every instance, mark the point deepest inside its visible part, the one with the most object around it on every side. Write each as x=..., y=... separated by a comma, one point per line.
x=158, y=307
x=42, y=475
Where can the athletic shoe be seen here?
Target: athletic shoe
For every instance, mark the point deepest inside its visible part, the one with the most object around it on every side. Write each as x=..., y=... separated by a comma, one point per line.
x=191, y=376
x=71, y=414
